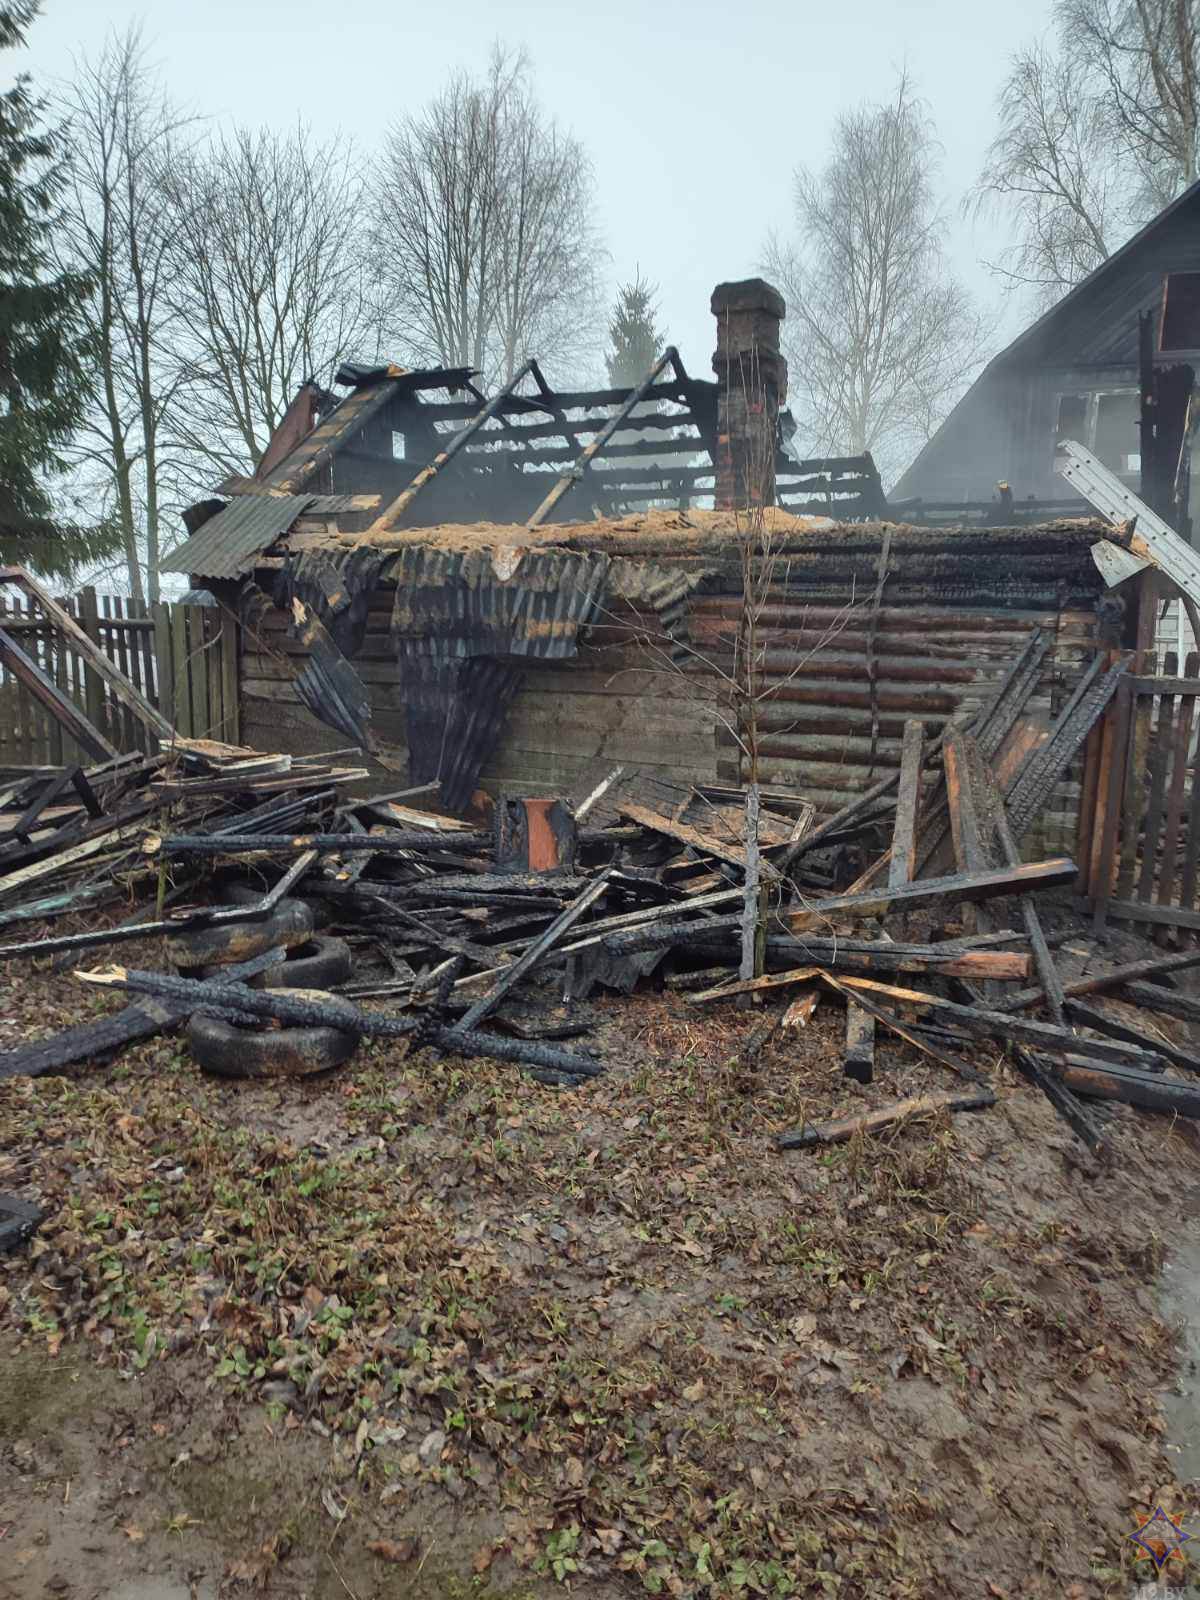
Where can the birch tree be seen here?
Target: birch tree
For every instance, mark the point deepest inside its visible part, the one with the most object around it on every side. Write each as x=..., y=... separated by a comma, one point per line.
x=484, y=246
x=125, y=133
x=1141, y=59
x=1051, y=173
x=267, y=286
x=1098, y=129
x=880, y=336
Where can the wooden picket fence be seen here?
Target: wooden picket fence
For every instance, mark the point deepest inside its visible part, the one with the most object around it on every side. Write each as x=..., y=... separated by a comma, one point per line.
x=183, y=659
x=1141, y=854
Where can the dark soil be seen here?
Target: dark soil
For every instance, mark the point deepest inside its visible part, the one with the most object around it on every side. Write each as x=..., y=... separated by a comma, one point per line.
x=427, y=1328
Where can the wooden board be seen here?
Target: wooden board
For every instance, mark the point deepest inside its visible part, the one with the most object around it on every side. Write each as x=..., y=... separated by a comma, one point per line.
x=957, y=887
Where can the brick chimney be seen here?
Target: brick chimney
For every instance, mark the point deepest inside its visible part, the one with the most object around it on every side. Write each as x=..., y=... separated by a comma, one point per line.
x=751, y=386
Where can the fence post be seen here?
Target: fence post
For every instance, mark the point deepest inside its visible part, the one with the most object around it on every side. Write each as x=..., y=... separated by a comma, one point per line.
x=89, y=621
x=179, y=654
x=164, y=663
x=231, y=676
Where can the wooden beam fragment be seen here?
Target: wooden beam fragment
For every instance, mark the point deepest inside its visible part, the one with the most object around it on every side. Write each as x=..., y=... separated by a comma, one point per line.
x=540, y=947
x=1111, y=978
x=656, y=822
x=1101, y=1022
x=1153, y=1091
x=842, y=1129
x=800, y=1012
x=980, y=1023
x=970, y=852
x=903, y=862
x=969, y=964
x=956, y=887
x=64, y=710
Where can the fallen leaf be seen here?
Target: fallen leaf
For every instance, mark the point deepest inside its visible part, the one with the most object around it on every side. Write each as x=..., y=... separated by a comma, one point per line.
x=255, y=1569
x=694, y=1391
x=133, y=1533
x=398, y=1550
x=484, y=1557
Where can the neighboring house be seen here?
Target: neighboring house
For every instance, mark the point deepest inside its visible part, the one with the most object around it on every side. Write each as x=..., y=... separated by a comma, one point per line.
x=1109, y=366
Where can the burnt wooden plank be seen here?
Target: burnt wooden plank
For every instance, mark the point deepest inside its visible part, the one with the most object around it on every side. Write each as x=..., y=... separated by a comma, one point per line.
x=903, y=864
x=1133, y=795
x=841, y=1129
x=970, y=854
x=1047, y=764
x=47, y=691
x=1143, y=911
x=92, y=1041
x=1101, y=1022
x=1152, y=830
x=88, y=647
x=734, y=854
x=1110, y=978
x=884, y=957
x=968, y=887
x=1178, y=765
x=1088, y=789
x=914, y=1036
x=979, y=1022
x=541, y=946
x=1110, y=785
x=1150, y=1090
x=1157, y=997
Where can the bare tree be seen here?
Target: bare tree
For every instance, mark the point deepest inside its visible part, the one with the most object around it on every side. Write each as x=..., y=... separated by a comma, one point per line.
x=267, y=285
x=1098, y=130
x=1141, y=58
x=1050, y=169
x=880, y=337
x=484, y=246
x=125, y=135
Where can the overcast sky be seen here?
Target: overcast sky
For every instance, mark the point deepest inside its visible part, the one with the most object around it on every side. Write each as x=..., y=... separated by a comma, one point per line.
x=695, y=115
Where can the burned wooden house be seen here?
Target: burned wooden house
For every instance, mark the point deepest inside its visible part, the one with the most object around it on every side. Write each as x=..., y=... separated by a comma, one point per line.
x=521, y=590
x=1110, y=366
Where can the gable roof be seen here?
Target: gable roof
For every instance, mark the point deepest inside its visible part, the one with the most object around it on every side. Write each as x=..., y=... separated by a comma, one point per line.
x=1182, y=213
x=1093, y=325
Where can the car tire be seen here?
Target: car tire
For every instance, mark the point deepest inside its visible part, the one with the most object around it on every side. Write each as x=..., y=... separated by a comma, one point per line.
x=289, y=925
x=319, y=963
x=242, y=892
x=229, y=1050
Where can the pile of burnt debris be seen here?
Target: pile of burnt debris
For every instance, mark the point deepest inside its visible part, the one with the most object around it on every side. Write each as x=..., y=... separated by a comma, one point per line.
x=327, y=917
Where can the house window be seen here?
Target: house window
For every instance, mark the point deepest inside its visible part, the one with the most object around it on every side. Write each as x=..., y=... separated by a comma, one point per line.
x=399, y=446
x=1180, y=312
x=1107, y=424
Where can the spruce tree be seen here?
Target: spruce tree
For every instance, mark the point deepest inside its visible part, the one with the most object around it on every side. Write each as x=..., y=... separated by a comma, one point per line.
x=635, y=343
x=45, y=348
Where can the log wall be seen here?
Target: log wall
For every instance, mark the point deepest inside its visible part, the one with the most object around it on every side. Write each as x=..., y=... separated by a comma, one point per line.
x=841, y=681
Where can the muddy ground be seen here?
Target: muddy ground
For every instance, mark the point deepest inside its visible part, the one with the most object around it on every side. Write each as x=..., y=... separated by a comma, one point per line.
x=426, y=1328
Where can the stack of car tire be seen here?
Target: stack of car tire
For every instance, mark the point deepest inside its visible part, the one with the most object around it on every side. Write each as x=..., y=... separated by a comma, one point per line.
x=313, y=962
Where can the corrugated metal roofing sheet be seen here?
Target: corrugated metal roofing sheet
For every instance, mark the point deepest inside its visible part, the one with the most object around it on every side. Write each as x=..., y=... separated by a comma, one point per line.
x=228, y=544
